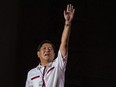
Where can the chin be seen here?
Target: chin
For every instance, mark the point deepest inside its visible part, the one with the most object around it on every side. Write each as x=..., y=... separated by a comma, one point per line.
x=50, y=60
x=46, y=57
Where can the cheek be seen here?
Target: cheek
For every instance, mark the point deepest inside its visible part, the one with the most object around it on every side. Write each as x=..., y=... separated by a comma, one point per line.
x=53, y=55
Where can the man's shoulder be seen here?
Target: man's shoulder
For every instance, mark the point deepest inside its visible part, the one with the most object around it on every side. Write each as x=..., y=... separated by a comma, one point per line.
x=33, y=71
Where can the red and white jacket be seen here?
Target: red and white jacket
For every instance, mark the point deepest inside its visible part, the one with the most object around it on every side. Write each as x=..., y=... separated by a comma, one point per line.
x=52, y=75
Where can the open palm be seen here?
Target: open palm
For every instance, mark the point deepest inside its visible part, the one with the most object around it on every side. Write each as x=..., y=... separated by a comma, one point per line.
x=69, y=13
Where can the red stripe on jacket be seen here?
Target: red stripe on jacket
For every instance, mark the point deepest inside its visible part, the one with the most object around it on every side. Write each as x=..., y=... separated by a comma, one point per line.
x=50, y=69
x=35, y=77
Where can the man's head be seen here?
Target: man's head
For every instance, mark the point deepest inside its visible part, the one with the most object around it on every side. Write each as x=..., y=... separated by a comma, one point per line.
x=46, y=51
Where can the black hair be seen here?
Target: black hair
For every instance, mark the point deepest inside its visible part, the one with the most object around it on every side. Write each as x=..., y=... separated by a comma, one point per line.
x=45, y=41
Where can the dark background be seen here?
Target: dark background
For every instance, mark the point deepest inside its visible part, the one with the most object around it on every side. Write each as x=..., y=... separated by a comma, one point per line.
x=25, y=23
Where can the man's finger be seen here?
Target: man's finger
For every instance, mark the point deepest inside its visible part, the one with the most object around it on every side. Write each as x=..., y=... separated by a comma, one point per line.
x=68, y=7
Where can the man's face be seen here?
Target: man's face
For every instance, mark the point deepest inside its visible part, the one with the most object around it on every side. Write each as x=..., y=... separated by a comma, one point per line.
x=46, y=53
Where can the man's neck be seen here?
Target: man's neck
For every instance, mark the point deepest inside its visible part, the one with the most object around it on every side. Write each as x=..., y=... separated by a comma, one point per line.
x=44, y=63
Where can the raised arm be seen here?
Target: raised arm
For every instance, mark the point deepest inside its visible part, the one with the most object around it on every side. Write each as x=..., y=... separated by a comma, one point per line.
x=68, y=16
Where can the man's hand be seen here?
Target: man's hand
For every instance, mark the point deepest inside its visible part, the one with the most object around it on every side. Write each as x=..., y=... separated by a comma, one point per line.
x=69, y=13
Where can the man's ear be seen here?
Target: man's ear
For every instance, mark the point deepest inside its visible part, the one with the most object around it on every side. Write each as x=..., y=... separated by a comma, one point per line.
x=38, y=53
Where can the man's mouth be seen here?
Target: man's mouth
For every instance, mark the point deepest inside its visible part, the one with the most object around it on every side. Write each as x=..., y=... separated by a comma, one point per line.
x=47, y=54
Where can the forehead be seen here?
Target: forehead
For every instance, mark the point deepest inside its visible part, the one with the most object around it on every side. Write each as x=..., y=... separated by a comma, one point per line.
x=46, y=45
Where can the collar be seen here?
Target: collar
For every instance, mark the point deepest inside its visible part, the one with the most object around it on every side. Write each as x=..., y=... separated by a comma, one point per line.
x=48, y=65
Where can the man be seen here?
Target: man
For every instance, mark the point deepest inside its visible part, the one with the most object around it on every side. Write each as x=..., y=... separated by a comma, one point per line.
x=51, y=72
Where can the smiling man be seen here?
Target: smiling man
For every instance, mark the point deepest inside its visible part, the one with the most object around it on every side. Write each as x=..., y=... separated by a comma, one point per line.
x=51, y=71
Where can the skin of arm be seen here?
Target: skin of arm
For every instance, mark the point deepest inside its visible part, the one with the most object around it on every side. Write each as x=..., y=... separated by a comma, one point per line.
x=68, y=16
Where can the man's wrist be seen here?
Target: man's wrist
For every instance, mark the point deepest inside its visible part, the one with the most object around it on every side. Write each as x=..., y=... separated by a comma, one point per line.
x=67, y=23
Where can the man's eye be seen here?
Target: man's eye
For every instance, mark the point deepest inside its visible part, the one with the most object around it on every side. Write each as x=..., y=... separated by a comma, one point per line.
x=50, y=48
x=44, y=48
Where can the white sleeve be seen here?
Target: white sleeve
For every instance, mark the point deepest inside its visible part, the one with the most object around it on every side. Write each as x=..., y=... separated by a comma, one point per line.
x=28, y=81
x=60, y=61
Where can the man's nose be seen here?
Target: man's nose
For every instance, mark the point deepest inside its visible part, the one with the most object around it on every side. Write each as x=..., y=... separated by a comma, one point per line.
x=48, y=49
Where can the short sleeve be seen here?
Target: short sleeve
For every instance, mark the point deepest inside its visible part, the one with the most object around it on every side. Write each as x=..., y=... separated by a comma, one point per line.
x=60, y=61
